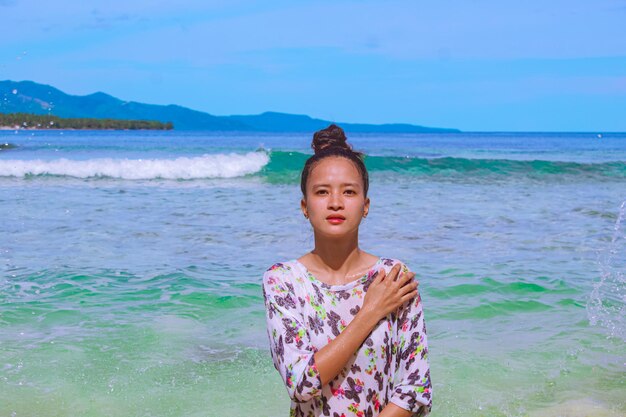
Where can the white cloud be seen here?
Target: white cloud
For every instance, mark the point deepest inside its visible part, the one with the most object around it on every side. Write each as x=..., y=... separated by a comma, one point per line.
x=404, y=30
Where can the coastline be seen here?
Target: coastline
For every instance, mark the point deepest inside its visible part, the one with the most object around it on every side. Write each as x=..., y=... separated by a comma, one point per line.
x=9, y=128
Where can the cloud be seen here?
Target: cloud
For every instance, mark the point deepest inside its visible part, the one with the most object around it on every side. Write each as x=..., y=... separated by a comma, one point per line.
x=408, y=31
x=108, y=21
x=402, y=30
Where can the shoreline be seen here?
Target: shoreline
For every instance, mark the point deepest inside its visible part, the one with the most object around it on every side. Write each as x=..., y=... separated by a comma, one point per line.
x=8, y=128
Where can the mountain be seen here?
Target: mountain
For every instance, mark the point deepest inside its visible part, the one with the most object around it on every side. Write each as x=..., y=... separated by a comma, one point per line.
x=282, y=122
x=31, y=97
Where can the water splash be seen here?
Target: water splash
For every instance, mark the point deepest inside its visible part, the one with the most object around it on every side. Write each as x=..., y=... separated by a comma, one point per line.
x=606, y=306
x=206, y=166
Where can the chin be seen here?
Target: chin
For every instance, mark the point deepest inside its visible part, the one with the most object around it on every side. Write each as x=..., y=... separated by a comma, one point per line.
x=335, y=233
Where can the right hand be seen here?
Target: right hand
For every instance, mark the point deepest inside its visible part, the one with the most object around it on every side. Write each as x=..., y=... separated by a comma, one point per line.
x=388, y=292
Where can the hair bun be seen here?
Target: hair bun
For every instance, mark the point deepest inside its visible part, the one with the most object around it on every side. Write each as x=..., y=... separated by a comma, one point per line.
x=331, y=137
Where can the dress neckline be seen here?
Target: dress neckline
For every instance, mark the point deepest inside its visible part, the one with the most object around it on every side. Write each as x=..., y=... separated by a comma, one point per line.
x=362, y=279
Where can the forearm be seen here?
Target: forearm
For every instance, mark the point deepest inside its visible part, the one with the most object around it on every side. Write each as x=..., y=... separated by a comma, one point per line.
x=331, y=359
x=392, y=410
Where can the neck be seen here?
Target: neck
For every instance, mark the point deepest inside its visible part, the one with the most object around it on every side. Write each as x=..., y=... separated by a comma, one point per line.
x=340, y=255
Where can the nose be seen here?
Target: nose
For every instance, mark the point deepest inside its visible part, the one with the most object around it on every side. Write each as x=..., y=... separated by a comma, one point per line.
x=335, y=201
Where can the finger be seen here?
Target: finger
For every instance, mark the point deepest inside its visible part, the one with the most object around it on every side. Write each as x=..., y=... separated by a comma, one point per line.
x=380, y=275
x=394, y=272
x=404, y=278
x=412, y=286
x=408, y=296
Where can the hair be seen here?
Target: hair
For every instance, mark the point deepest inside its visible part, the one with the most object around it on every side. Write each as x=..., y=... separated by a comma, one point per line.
x=332, y=141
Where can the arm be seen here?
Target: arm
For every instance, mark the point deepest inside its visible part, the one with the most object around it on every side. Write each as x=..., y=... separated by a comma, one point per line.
x=303, y=369
x=392, y=410
x=332, y=358
x=384, y=295
x=412, y=385
x=291, y=351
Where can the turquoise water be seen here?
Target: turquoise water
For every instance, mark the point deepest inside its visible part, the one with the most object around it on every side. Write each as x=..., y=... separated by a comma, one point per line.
x=132, y=261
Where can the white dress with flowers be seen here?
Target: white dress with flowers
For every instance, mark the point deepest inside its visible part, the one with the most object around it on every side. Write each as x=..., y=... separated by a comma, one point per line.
x=304, y=314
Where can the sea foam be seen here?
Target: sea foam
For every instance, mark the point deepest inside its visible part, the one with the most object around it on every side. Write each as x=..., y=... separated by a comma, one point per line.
x=205, y=166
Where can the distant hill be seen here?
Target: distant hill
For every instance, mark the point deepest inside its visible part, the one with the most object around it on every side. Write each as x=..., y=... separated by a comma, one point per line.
x=30, y=97
x=41, y=121
x=282, y=122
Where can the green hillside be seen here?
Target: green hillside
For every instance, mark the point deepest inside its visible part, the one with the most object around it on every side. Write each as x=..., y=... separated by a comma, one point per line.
x=33, y=121
x=39, y=99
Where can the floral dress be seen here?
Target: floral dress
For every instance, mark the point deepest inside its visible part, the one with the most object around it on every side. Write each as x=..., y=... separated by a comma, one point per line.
x=304, y=314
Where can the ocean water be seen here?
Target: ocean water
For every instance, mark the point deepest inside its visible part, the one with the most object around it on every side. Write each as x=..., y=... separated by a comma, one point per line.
x=131, y=267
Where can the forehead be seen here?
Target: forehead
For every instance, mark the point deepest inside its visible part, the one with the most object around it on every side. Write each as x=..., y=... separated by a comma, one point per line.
x=334, y=170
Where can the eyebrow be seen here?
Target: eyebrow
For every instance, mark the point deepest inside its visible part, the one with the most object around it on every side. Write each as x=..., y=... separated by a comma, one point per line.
x=348, y=184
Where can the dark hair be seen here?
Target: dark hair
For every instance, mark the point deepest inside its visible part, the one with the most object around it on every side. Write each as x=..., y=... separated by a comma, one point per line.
x=332, y=141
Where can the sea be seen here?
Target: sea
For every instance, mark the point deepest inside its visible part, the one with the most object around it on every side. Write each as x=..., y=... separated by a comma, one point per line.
x=131, y=266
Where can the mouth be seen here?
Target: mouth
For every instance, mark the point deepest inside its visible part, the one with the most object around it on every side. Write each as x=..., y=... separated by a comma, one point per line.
x=336, y=219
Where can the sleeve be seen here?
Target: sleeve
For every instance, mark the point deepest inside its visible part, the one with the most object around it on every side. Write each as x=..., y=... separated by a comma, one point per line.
x=412, y=385
x=290, y=347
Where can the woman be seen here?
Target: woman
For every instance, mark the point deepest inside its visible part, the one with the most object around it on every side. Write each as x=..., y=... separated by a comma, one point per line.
x=346, y=328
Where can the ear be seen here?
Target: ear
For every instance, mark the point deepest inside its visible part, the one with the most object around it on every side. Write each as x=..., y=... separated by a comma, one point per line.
x=303, y=206
x=366, y=206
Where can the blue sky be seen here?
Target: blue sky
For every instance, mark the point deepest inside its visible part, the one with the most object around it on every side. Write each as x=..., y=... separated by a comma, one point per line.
x=474, y=65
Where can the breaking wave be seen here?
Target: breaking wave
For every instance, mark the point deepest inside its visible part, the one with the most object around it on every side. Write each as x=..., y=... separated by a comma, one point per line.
x=205, y=166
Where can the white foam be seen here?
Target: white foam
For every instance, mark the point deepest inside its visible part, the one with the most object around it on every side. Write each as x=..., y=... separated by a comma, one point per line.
x=205, y=166
x=583, y=407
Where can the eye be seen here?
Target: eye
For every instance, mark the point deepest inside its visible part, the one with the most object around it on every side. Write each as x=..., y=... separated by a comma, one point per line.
x=320, y=191
x=351, y=191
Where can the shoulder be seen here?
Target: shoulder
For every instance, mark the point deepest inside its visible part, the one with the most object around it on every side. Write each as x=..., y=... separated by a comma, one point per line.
x=389, y=263
x=279, y=273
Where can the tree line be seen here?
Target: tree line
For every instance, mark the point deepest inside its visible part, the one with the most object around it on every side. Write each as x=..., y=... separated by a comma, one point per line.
x=34, y=121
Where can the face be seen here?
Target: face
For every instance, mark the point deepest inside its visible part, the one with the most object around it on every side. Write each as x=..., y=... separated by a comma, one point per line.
x=335, y=188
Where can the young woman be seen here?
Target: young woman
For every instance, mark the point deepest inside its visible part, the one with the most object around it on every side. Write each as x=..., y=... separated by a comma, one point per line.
x=346, y=328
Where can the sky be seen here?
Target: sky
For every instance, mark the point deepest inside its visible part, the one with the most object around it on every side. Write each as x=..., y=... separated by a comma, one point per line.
x=474, y=65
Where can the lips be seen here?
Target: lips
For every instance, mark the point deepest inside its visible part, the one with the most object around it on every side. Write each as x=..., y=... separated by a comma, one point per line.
x=335, y=217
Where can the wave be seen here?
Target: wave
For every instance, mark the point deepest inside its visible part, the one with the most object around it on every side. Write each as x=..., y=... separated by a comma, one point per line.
x=285, y=167
x=284, y=163
x=182, y=168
